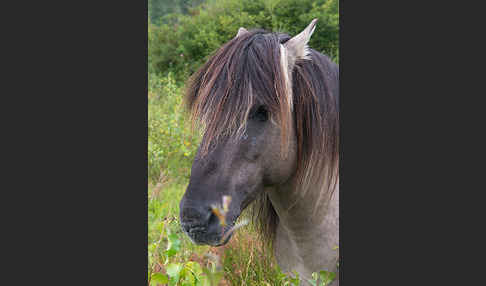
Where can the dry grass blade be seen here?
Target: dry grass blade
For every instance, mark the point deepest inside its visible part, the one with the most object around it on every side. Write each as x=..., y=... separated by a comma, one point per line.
x=234, y=228
x=158, y=187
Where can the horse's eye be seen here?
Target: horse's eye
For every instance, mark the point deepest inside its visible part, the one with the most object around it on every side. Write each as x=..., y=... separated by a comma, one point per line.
x=261, y=114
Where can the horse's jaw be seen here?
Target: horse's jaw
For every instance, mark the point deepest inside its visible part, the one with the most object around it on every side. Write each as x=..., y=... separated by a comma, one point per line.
x=305, y=242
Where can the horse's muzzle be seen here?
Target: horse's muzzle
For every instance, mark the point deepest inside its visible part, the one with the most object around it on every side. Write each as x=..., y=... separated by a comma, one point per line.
x=201, y=225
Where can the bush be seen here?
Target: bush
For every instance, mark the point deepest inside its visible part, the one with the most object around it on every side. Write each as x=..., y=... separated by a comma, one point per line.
x=184, y=42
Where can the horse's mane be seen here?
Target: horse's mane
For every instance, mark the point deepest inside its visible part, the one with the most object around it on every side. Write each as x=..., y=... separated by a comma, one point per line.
x=247, y=71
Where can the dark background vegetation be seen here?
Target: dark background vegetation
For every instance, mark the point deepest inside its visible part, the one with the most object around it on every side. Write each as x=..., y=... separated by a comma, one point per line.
x=183, y=33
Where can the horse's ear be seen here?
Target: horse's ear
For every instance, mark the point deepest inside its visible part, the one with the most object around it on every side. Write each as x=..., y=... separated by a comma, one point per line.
x=241, y=31
x=297, y=46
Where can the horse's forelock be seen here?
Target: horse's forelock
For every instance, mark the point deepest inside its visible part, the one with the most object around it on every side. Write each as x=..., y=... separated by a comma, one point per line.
x=245, y=71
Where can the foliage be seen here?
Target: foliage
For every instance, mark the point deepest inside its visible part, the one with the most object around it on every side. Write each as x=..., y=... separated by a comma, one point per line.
x=171, y=143
x=184, y=41
x=175, y=260
x=159, y=8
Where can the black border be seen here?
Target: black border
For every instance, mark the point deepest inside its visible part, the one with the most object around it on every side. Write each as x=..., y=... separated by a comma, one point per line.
x=80, y=142
x=408, y=79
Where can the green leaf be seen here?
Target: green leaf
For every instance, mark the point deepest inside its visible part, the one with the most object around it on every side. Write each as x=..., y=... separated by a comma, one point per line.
x=174, y=245
x=160, y=226
x=174, y=242
x=194, y=267
x=173, y=269
x=170, y=252
x=326, y=277
x=296, y=280
x=159, y=278
x=151, y=247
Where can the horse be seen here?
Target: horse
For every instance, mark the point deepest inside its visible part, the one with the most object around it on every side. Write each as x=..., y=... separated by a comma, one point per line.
x=267, y=107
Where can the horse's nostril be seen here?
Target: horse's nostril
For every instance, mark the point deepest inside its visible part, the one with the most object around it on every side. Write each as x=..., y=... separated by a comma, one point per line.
x=192, y=225
x=193, y=215
x=197, y=229
x=212, y=219
x=199, y=221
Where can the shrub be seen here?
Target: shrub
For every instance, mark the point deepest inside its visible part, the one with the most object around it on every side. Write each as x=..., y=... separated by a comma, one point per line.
x=171, y=143
x=184, y=42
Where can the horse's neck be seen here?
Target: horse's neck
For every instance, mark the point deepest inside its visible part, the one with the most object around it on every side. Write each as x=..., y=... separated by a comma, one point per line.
x=306, y=239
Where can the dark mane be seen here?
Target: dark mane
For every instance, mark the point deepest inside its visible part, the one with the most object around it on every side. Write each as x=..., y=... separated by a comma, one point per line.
x=247, y=71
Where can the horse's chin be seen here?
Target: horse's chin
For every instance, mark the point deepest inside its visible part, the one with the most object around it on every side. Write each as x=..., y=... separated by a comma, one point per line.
x=221, y=241
x=224, y=242
x=213, y=240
